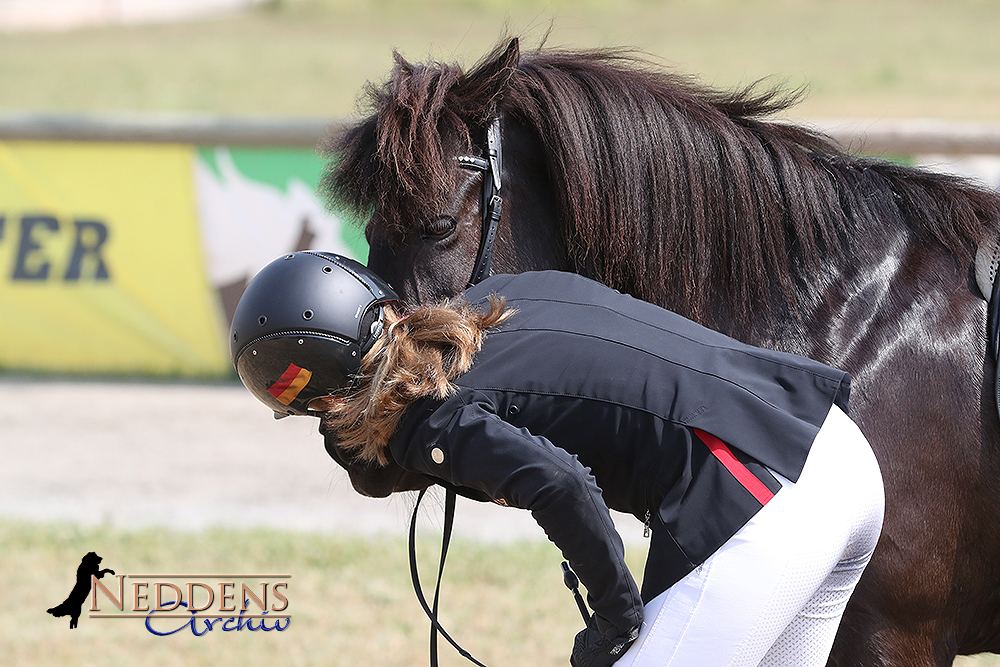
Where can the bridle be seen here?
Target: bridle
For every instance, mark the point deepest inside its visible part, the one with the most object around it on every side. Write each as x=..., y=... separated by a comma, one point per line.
x=491, y=203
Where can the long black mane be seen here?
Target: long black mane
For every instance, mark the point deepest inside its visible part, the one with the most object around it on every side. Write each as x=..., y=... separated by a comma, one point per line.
x=667, y=189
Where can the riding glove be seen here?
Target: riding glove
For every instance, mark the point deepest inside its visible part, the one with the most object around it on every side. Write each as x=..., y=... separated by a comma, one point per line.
x=591, y=648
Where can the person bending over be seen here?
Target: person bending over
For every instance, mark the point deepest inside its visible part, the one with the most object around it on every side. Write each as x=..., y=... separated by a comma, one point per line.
x=552, y=393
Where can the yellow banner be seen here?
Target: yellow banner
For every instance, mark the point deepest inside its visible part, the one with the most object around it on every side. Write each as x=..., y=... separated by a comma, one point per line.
x=101, y=261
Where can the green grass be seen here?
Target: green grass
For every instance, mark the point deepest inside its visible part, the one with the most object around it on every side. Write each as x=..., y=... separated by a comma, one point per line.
x=350, y=599
x=859, y=58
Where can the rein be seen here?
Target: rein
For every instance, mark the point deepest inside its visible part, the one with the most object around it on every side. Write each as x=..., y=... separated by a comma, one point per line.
x=432, y=610
x=490, y=207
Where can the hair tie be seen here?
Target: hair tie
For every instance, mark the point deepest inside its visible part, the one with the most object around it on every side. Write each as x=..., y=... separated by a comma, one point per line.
x=399, y=321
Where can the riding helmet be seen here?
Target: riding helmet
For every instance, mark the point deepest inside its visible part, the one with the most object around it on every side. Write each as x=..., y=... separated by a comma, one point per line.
x=302, y=326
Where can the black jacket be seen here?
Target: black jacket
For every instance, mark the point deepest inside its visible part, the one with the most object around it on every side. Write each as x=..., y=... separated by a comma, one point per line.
x=586, y=399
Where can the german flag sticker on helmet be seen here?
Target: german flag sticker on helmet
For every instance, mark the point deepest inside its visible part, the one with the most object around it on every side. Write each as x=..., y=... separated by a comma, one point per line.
x=291, y=382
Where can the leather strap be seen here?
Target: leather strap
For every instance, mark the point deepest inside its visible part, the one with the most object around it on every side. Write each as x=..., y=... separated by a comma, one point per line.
x=993, y=338
x=491, y=203
x=432, y=610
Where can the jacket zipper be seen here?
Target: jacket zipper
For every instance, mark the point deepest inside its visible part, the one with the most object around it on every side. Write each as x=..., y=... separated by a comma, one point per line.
x=645, y=527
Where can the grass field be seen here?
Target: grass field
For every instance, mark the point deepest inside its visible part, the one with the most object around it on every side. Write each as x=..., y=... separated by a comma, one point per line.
x=859, y=58
x=350, y=599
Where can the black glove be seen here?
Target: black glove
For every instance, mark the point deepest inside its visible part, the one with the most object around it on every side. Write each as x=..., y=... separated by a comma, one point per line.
x=592, y=649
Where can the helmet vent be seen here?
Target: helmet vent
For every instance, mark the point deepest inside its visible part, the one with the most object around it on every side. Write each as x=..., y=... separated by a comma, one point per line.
x=308, y=315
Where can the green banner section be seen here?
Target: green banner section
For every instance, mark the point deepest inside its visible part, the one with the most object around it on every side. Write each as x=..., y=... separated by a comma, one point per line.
x=255, y=204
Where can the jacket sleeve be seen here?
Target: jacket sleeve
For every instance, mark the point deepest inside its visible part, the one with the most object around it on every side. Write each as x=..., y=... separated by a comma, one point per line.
x=466, y=444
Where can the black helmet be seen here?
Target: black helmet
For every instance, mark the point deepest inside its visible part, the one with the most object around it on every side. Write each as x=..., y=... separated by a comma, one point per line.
x=302, y=326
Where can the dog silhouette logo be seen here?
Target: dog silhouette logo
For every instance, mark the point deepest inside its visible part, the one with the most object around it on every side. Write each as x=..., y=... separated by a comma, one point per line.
x=73, y=604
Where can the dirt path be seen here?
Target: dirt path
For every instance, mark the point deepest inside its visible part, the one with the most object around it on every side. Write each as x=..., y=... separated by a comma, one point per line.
x=191, y=456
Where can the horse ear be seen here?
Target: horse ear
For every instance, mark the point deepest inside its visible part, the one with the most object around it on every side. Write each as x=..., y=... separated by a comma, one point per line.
x=501, y=69
x=510, y=58
x=403, y=66
x=486, y=84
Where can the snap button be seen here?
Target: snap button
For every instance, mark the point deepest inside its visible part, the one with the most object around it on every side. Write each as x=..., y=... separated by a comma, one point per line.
x=513, y=410
x=437, y=455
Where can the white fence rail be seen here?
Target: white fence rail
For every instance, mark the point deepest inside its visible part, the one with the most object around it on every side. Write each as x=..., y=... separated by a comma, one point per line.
x=965, y=148
x=879, y=137
x=913, y=137
x=165, y=128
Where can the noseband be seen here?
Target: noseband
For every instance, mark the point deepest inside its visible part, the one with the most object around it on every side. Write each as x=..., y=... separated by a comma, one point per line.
x=491, y=203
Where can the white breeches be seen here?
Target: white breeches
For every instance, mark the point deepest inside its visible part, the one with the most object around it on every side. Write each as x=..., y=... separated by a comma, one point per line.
x=775, y=592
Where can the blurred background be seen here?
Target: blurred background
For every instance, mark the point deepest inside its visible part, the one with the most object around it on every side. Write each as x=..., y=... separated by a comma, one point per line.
x=154, y=154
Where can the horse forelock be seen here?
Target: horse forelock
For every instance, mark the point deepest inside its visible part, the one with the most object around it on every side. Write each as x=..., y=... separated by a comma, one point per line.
x=399, y=161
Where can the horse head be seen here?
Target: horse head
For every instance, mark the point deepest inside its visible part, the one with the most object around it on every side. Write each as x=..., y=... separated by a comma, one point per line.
x=424, y=209
x=603, y=174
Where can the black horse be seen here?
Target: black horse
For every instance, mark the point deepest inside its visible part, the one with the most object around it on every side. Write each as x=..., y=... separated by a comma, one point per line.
x=691, y=198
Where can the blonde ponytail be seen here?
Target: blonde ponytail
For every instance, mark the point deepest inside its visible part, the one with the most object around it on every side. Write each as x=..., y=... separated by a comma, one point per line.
x=418, y=357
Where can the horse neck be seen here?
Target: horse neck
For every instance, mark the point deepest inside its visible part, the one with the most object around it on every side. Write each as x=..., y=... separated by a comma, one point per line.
x=530, y=238
x=744, y=212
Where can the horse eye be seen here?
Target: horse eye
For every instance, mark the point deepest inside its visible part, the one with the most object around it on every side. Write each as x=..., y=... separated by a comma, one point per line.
x=437, y=229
